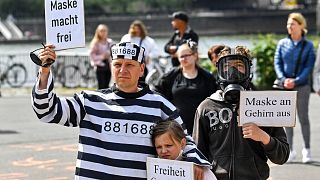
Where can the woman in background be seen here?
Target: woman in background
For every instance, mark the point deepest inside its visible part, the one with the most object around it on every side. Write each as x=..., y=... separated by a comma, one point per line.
x=100, y=55
x=186, y=86
x=295, y=74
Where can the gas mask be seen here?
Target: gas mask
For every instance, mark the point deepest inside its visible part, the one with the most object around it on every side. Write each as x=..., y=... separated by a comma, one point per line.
x=233, y=76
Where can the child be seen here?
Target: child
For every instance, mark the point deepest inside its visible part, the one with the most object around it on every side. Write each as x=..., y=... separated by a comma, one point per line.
x=169, y=140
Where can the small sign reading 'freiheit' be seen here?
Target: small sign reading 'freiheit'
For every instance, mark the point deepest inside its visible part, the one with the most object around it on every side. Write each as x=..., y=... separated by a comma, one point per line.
x=169, y=169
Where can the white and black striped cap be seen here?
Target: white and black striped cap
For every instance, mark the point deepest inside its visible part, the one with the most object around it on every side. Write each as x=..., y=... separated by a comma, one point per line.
x=127, y=50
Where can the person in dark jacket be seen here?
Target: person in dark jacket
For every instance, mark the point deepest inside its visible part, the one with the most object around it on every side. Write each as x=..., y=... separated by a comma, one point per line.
x=236, y=152
x=188, y=85
x=182, y=33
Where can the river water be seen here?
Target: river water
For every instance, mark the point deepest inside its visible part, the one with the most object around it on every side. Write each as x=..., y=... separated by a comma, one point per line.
x=205, y=43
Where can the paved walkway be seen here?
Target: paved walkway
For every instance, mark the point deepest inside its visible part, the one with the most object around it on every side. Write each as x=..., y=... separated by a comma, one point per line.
x=34, y=150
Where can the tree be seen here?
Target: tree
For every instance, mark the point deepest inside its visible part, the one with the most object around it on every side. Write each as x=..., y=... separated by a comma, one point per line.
x=264, y=50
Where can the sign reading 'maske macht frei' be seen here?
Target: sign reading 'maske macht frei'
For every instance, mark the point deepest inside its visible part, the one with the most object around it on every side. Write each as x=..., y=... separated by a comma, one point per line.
x=268, y=108
x=65, y=23
x=160, y=169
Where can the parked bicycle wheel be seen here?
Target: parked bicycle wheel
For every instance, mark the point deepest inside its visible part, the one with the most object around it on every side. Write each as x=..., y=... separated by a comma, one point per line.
x=16, y=75
x=71, y=76
x=90, y=78
x=152, y=78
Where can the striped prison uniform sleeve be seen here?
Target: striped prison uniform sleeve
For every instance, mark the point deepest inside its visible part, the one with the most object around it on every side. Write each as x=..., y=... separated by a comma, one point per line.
x=51, y=109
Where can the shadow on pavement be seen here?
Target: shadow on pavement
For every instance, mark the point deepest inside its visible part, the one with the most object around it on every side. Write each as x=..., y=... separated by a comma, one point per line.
x=312, y=163
x=8, y=132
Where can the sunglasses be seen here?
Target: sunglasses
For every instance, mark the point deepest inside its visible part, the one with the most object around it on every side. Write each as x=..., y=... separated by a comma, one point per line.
x=34, y=57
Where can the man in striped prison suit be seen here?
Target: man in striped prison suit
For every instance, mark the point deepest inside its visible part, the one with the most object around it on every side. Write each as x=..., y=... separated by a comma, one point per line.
x=116, y=123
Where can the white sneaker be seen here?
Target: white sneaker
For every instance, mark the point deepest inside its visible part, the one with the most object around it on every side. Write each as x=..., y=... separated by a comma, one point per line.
x=306, y=155
x=292, y=156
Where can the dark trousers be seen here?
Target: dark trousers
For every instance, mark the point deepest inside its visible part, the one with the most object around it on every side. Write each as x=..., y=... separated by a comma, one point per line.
x=303, y=116
x=103, y=76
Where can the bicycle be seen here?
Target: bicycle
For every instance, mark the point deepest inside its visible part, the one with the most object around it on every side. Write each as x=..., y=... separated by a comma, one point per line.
x=57, y=70
x=81, y=73
x=157, y=68
x=14, y=74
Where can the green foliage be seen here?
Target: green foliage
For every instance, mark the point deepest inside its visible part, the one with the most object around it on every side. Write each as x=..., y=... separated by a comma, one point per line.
x=207, y=64
x=263, y=51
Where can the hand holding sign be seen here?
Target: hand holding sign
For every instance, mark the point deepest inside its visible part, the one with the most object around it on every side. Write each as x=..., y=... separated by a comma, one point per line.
x=198, y=172
x=39, y=61
x=252, y=131
x=47, y=55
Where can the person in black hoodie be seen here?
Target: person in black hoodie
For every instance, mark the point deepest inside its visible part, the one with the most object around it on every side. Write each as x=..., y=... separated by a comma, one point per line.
x=236, y=152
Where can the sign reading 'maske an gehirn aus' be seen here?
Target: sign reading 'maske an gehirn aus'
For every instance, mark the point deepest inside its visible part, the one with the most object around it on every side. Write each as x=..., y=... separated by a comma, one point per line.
x=268, y=108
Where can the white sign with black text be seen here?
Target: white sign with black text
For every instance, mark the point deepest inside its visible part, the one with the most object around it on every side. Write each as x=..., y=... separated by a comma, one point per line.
x=65, y=23
x=163, y=169
x=268, y=108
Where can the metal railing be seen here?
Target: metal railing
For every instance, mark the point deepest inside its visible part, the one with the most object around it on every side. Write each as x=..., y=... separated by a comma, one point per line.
x=80, y=62
x=70, y=69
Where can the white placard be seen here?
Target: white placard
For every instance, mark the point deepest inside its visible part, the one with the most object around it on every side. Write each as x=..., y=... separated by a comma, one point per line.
x=268, y=108
x=65, y=23
x=163, y=169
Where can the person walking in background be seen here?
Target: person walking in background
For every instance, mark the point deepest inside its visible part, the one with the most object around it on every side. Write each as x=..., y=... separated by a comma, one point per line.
x=100, y=55
x=186, y=86
x=182, y=33
x=316, y=73
x=293, y=61
x=115, y=123
x=138, y=34
x=236, y=152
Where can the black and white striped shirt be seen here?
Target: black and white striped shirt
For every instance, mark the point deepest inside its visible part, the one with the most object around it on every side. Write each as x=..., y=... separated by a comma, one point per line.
x=115, y=127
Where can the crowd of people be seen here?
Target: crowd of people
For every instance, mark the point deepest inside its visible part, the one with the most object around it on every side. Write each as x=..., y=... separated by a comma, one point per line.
x=191, y=115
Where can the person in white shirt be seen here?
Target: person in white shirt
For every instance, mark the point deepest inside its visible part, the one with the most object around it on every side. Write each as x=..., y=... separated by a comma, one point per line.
x=138, y=34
